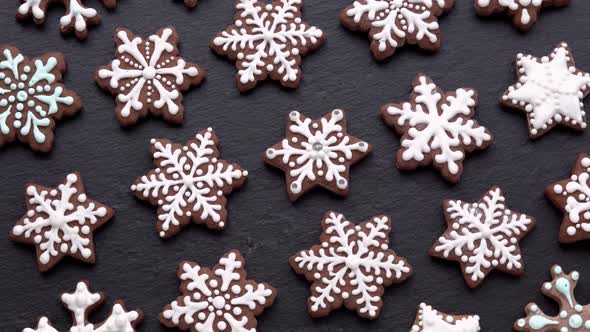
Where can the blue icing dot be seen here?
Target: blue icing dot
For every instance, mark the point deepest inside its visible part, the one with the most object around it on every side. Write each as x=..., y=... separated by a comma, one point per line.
x=576, y=321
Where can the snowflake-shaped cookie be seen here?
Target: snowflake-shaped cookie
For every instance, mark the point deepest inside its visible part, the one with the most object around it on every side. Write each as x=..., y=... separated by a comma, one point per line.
x=218, y=299
x=572, y=196
x=32, y=97
x=524, y=12
x=572, y=315
x=60, y=222
x=352, y=266
x=267, y=39
x=550, y=90
x=429, y=319
x=483, y=236
x=392, y=23
x=316, y=153
x=189, y=182
x=81, y=302
x=148, y=76
x=437, y=128
x=77, y=17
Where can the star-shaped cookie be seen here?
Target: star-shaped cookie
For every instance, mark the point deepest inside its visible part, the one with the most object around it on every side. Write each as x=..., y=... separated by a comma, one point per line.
x=483, y=236
x=60, y=222
x=316, y=153
x=550, y=90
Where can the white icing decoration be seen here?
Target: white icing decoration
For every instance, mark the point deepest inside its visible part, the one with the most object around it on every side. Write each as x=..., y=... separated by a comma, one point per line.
x=28, y=96
x=550, y=90
x=80, y=302
x=483, y=235
x=146, y=68
x=438, y=125
x=352, y=257
x=188, y=176
x=219, y=299
x=524, y=9
x=273, y=31
x=577, y=195
x=430, y=320
x=323, y=151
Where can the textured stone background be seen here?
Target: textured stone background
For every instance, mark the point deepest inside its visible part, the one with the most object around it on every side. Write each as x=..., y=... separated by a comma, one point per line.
x=134, y=264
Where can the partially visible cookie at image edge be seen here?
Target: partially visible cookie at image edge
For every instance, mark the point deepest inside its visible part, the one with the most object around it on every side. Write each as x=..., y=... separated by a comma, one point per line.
x=524, y=13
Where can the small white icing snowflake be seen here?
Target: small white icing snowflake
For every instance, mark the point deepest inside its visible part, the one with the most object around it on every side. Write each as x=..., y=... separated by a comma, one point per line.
x=60, y=222
x=189, y=182
x=77, y=16
x=148, y=75
x=81, y=302
x=32, y=97
x=483, y=236
x=218, y=299
x=550, y=90
x=268, y=39
x=392, y=23
x=437, y=128
x=317, y=152
x=431, y=320
x=352, y=265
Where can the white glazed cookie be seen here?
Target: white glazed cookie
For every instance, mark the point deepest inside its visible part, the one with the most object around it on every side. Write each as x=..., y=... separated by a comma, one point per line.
x=429, y=319
x=81, y=302
x=524, y=12
x=267, y=40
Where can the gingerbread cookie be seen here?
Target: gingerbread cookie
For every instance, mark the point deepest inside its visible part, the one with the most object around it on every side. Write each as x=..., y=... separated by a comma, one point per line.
x=77, y=18
x=572, y=316
x=32, y=97
x=436, y=128
x=148, y=76
x=218, y=299
x=431, y=320
x=524, y=13
x=550, y=90
x=572, y=196
x=267, y=40
x=352, y=265
x=189, y=183
x=60, y=222
x=190, y=3
x=392, y=23
x=483, y=236
x=316, y=153
x=81, y=302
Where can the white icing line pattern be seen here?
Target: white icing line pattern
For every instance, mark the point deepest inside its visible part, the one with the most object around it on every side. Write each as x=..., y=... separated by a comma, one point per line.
x=148, y=75
x=318, y=152
x=392, y=23
x=32, y=98
x=60, y=222
x=352, y=266
x=267, y=39
x=550, y=90
x=429, y=319
x=218, y=299
x=77, y=17
x=436, y=127
x=81, y=302
x=189, y=182
x=524, y=12
x=572, y=315
x=483, y=236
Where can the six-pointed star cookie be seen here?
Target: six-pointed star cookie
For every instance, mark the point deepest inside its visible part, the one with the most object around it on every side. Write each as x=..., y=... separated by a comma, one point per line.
x=524, y=12
x=148, y=76
x=267, y=39
x=60, y=222
x=429, y=319
x=483, y=236
x=189, y=182
x=572, y=196
x=550, y=90
x=352, y=265
x=316, y=153
x=220, y=299
x=392, y=23
x=436, y=127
